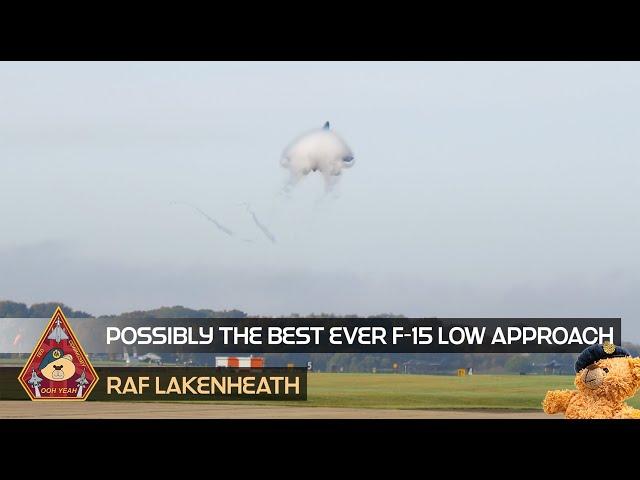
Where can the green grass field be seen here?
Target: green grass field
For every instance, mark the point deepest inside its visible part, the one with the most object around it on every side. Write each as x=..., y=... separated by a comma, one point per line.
x=434, y=391
x=362, y=390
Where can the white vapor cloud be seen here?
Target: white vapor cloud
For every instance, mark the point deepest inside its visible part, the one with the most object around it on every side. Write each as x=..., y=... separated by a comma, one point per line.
x=321, y=150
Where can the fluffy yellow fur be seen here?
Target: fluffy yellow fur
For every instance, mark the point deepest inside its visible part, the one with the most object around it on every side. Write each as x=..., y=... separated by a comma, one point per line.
x=619, y=380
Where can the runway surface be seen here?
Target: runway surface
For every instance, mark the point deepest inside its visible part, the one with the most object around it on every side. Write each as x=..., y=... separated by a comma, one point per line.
x=18, y=409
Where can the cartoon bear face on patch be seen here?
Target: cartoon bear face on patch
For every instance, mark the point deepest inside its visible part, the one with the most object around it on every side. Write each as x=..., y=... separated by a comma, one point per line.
x=57, y=367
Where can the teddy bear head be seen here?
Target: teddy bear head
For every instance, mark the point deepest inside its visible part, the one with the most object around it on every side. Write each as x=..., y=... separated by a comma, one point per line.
x=613, y=377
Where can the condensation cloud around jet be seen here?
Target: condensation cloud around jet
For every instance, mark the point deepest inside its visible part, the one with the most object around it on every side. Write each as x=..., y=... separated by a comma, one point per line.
x=321, y=150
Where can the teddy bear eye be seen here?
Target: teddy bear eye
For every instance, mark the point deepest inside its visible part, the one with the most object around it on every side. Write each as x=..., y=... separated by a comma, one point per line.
x=606, y=370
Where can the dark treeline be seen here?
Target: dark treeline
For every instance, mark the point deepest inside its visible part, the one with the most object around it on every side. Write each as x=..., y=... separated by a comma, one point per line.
x=37, y=310
x=434, y=363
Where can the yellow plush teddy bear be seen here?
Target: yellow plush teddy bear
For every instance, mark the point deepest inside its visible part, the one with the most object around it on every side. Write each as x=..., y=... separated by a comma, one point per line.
x=606, y=376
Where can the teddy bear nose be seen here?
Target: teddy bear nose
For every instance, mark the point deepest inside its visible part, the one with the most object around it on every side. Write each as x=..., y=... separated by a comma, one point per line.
x=594, y=377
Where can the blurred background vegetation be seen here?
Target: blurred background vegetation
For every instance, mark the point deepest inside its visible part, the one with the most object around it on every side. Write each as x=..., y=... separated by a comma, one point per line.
x=401, y=363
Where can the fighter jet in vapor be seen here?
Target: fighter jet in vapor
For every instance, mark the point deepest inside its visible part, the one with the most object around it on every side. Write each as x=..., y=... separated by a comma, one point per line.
x=321, y=150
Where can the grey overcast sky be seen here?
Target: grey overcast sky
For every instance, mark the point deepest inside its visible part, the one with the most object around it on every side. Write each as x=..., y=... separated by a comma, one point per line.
x=479, y=189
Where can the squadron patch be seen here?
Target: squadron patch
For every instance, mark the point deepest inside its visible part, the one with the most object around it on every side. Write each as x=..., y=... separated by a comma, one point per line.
x=58, y=368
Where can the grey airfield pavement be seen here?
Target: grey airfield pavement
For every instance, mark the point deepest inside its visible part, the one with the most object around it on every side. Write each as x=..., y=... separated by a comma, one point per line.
x=167, y=410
